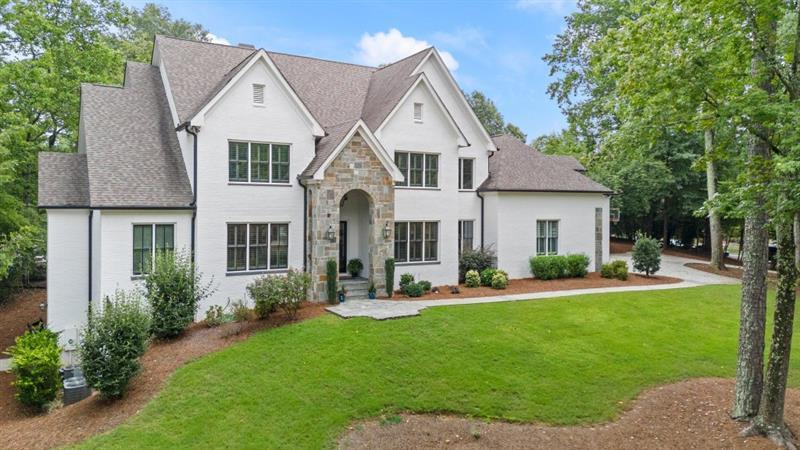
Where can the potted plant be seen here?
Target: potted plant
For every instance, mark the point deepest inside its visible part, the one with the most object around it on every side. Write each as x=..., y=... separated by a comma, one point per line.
x=354, y=267
x=342, y=294
x=371, y=292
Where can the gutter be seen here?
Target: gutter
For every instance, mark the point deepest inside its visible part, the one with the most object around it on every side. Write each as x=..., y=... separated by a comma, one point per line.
x=305, y=224
x=193, y=131
x=91, y=215
x=482, y=215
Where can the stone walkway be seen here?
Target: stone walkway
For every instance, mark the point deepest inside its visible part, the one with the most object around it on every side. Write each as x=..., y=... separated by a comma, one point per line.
x=672, y=266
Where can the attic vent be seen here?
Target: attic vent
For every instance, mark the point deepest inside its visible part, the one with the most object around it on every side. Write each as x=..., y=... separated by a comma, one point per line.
x=417, y=112
x=246, y=45
x=258, y=94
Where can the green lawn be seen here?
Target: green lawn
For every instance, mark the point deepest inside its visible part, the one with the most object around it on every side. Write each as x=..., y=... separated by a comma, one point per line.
x=562, y=361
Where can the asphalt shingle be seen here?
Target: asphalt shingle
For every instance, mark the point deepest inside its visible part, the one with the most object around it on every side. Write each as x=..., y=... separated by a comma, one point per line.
x=63, y=180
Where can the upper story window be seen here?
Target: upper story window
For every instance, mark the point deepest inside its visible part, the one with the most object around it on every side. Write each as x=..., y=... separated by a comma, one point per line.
x=546, y=237
x=465, y=173
x=419, y=169
x=258, y=94
x=146, y=239
x=417, y=112
x=258, y=162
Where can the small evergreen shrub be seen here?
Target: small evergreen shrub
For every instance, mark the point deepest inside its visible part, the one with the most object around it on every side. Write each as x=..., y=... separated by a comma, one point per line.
x=475, y=259
x=215, y=316
x=37, y=359
x=615, y=269
x=549, y=267
x=296, y=286
x=473, y=279
x=354, y=267
x=389, y=266
x=577, y=266
x=113, y=340
x=174, y=289
x=414, y=290
x=266, y=292
x=426, y=285
x=405, y=280
x=499, y=280
x=486, y=276
x=331, y=283
x=646, y=255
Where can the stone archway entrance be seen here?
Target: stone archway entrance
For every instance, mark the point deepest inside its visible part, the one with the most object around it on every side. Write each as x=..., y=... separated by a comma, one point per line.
x=355, y=223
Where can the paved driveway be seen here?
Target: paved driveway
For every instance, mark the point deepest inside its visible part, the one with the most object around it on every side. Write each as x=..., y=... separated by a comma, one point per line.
x=672, y=266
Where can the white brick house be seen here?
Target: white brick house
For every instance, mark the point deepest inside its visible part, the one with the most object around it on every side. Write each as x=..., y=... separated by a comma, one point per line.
x=256, y=162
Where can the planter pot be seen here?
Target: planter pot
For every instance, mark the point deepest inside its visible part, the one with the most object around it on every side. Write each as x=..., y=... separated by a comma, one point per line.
x=371, y=295
x=341, y=298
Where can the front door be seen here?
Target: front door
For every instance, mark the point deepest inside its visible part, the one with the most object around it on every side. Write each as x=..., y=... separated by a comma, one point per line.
x=342, y=247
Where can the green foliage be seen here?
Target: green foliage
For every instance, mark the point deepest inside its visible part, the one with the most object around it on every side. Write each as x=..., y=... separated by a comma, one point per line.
x=478, y=259
x=296, y=284
x=240, y=311
x=615, y=269
x=577, y=266
x=425, y=285
x=413, y=290
x=36, y=360
x=490, y=117
x=473, y=279
x=548, y=267
x=331, y=283
x=486, y=276
x=215, y=316
x=371, y=288
x=499, y=280
x=113, y=340
x=267, y=292
x=405, y=280
x=18, y=265
x=143, y=24
x=174, y=289
x=389, y=266
x=354, y=267
x=646, y=255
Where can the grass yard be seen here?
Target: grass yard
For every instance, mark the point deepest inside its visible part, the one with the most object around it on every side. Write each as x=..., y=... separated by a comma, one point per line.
x=562, y=361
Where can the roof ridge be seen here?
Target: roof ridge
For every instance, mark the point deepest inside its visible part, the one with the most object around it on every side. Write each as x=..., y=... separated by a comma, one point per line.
x=195, y=41
x=375, y=69
x=403, y=59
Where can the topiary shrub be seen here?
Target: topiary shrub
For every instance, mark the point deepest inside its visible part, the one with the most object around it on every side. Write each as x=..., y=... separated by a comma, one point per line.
x=389, y=266
x=548, y=267
x=478, y=260
x=473, y=279
x=354, y=267
x=486, y=276
x=266, y=293
x=331, y=283
x=646, y=255
x=616, y=269
x=405, y=280
x=426, y=285
x=113, y=340
x=36, y=360
x=414, y=290
x=499, y=280
x=174, y=289
x=577, y=266
x=295, y=290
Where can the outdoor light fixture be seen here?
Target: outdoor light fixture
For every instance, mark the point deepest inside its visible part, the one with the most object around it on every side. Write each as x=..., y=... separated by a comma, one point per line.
x=330, y=234
x=387, y=231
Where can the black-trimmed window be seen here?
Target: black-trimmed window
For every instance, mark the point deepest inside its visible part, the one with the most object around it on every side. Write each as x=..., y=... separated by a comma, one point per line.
x=257, y=246
x=258, y=162
x=465, y=173
x=466, y=235
x=416, y=241
x=419, y=169
x=546, y=237
x=147, y=237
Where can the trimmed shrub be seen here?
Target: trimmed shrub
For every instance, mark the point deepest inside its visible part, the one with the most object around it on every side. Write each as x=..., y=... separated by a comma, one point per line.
x=113, y=340
x=215, y=316
x=354, y=267
x=174, y=289
x=266, y=293
x=646, y=255
x=414, y=290
x=296, y=286
x=37, y=359
x=499, y=280
x=548, y=267
x=405, y=280
x=577, y=265
x=615, y=269
x=426, y=285
x=389, y=266
x=331, y=283
x=473, y=279
x=475, y=259
x=486, y=276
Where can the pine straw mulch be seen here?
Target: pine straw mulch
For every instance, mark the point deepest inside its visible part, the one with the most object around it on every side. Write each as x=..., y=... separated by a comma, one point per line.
x=531, y=285
x=21, y=309
x=691, y=414
x=20, y=429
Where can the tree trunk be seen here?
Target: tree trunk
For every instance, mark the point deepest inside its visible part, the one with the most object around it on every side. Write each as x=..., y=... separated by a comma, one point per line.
x=769, y=421
x=714, y=219
x=797, y=240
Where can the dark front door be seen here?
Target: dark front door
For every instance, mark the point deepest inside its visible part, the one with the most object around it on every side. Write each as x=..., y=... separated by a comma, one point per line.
x=342, y=247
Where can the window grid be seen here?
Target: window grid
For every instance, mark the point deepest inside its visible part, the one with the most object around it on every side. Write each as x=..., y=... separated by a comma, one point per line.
x=547, y=237
x=416, y=241
x=418, y=169
x=257, y=246
x=256, y=162
x=149, y=237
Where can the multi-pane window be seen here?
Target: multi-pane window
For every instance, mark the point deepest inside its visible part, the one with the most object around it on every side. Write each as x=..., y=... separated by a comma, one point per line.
x=419, y=169
x=466, y=233
x=416, y=241
x=148, y=237
x=546, y=237
x=256, y=162
x=465, y=173
x=258, y=246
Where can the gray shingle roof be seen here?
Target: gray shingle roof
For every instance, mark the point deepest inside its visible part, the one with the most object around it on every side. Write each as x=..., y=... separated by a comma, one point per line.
x=63, y=180
x=387, y=87
x=569, y=161
x=518, y=167
x=333, y=136
x=132, y=152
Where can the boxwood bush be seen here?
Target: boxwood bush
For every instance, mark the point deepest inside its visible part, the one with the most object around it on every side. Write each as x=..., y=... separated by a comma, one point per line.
x=405, y=280
x=478, y=260
x=414, y=290
x=37, y=358
x=486, y=276
x=548, y=267
x=615, y=269
x=577, y=266
x=499, y=280
x=425, y=285
x=473, y=279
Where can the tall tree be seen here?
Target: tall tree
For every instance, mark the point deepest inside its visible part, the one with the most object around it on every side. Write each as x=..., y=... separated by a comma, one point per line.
x=143, y=24
x=490, y=116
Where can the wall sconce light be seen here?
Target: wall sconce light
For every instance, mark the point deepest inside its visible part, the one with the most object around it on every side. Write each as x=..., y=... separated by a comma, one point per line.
x=387, y=231
x=330, y=234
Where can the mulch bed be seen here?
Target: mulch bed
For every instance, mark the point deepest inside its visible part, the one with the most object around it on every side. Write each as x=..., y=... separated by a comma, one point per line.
x=685, y=415
x=20, y=310
x=20, y=429
x=530, y=285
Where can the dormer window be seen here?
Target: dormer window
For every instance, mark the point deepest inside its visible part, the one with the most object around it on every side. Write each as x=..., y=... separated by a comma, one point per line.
x=418, y=112
x=258, y=94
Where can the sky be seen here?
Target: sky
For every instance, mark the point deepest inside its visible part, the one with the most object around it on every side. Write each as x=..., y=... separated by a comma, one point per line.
x=495, y=47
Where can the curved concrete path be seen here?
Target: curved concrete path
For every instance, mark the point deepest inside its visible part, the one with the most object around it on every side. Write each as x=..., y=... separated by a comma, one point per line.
x=672, y=266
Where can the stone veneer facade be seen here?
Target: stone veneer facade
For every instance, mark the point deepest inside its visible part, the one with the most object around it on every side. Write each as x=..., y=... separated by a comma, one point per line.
x=355, y=168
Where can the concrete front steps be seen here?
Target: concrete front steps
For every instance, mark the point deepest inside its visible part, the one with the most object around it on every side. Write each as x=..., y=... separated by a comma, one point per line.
x=356, y=287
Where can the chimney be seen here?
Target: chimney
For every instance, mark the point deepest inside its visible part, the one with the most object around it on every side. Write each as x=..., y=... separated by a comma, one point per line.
x=246, y=45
